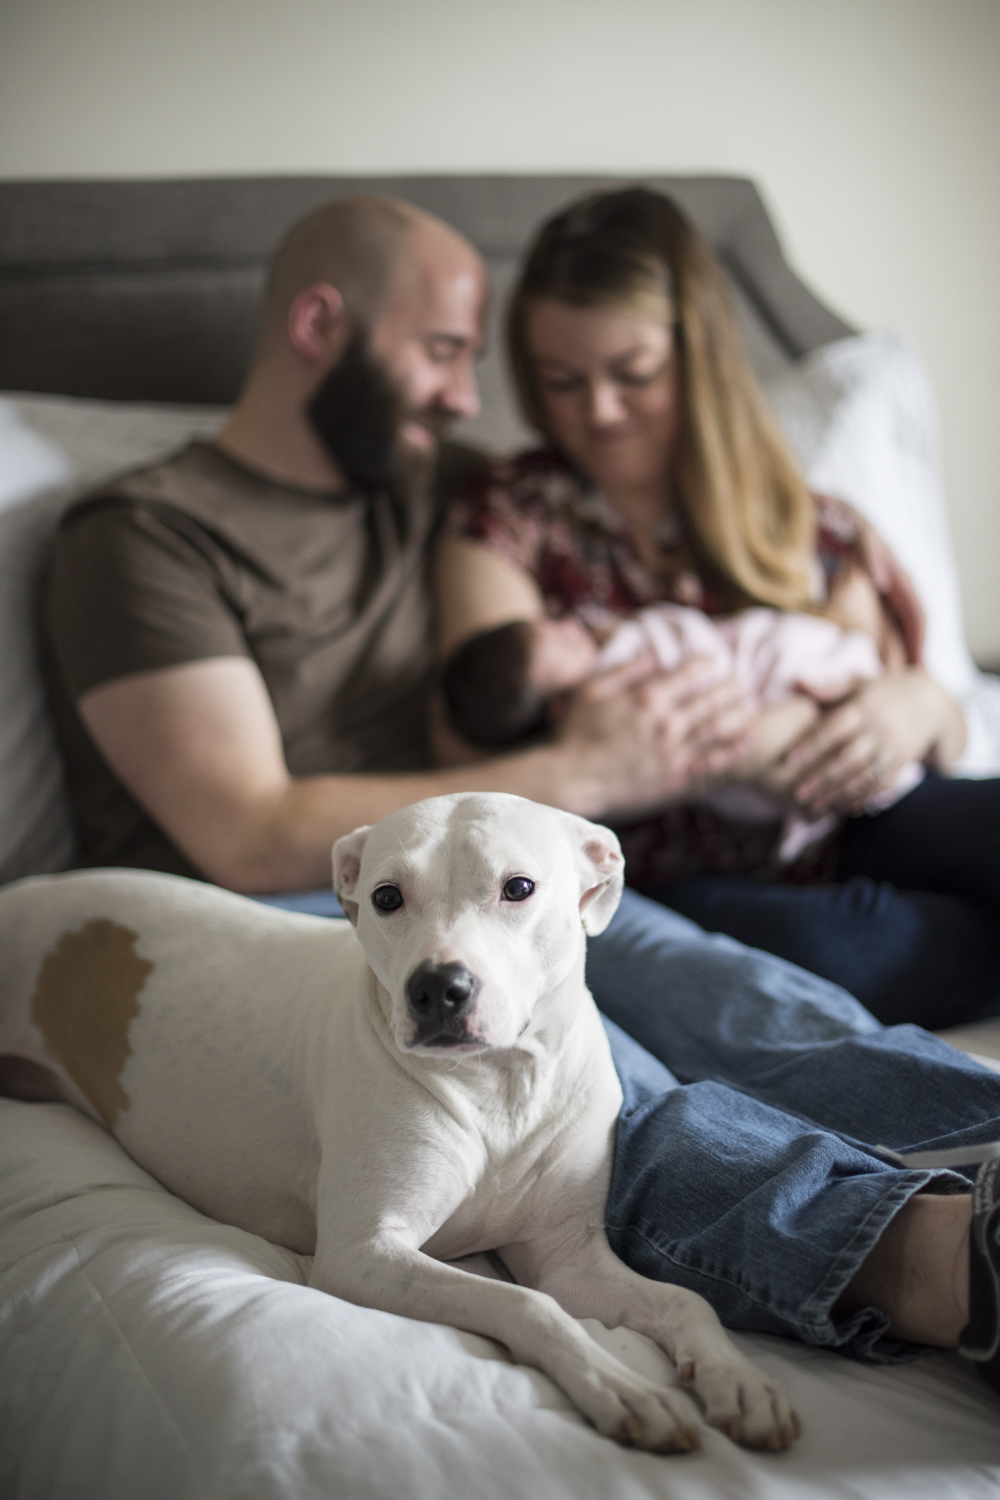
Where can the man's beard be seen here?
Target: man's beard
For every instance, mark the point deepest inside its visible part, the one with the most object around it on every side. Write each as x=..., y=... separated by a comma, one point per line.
x=358, y=412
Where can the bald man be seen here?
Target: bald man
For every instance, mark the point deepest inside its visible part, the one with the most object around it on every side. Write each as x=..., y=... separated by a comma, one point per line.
x=237, y=641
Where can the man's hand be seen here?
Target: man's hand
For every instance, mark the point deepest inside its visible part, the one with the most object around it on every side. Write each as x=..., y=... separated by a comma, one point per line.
x=635, y=738
x=866, y=737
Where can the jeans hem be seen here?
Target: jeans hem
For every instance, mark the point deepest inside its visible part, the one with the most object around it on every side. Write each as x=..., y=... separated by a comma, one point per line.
x=863, y=1335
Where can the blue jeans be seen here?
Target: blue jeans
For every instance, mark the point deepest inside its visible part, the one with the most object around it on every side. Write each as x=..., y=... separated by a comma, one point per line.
x=911, y=926
x=745, y=1172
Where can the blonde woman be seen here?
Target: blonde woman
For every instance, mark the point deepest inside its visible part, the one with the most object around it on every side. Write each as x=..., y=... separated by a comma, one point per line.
x=662, y=477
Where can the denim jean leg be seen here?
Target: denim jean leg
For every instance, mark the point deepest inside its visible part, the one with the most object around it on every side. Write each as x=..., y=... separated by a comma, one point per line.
x=907, y=955
x=764, y=1216
x=711, y=1009
x=755, y=1183
x=707, y=1006
x=944, y=836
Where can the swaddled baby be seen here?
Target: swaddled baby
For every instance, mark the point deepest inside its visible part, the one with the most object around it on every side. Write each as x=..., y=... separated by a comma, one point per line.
x=502, y=686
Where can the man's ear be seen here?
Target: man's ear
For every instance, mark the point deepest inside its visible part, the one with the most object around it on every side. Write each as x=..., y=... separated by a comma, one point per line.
x=602, y=873
x=346, y=869
x=317, y=323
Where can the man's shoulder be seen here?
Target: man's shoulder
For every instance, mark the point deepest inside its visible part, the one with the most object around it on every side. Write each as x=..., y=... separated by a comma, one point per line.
x=181, y=481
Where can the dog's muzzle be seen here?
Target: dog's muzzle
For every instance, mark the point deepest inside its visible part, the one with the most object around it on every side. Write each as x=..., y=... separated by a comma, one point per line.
x=440, y=997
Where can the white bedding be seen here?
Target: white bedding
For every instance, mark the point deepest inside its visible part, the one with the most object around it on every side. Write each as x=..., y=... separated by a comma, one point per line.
x=152, y=1354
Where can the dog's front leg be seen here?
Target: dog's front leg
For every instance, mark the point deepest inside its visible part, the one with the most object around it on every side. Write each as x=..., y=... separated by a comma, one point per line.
x=576, y=1266
x=389, y=1272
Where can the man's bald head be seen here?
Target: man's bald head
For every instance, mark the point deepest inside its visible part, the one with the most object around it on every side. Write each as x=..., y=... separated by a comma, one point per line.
x=371, y=325
x=358, y=245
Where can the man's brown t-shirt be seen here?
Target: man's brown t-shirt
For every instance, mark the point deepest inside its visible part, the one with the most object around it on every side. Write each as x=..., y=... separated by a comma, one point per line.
x=199, y=557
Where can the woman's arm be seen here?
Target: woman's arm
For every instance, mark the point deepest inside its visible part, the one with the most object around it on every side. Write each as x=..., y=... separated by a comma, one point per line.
x=475, y=589
x=899, y=603
x=895, y=587
x=856, y=604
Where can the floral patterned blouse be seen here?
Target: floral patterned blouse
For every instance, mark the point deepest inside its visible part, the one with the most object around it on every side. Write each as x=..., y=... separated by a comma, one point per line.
x=535, y=511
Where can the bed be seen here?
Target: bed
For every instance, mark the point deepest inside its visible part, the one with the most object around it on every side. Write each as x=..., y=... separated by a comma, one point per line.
x=146, y=1351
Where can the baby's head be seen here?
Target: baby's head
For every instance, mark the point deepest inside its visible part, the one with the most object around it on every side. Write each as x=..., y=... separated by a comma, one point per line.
x=498, y=685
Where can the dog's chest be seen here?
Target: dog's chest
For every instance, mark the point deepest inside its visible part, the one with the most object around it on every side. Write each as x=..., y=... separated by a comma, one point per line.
x=521, y=1182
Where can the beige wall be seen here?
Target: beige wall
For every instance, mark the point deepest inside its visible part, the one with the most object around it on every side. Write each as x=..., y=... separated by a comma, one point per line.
x=872, y=125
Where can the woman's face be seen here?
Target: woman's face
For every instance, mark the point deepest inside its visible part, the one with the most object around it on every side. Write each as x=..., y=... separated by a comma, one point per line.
x=608, y=385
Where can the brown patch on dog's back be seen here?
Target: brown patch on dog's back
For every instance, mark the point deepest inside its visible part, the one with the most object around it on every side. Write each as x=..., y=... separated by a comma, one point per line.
x=85, y=999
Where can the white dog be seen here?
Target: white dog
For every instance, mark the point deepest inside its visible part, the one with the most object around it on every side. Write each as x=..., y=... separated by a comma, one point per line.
x=441, y=1088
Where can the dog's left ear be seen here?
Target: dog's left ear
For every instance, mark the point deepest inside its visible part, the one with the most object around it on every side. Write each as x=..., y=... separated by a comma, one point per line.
x=346, y=869
x=602, y=873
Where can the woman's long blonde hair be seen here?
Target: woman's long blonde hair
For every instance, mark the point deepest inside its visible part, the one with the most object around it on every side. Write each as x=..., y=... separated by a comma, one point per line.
x=748, y=513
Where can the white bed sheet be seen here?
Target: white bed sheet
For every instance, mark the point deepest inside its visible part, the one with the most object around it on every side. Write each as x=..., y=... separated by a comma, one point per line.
x=148, y=1353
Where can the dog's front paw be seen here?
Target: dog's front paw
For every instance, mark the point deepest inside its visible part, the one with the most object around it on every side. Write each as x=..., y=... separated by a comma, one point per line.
x=634, y=1410
x=741, y=1400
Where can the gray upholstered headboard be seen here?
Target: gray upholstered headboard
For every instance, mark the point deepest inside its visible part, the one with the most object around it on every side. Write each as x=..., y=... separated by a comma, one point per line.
x=148, y=290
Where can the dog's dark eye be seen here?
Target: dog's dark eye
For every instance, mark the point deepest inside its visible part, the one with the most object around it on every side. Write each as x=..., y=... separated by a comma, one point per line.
x=518, y=888
x=387, y=898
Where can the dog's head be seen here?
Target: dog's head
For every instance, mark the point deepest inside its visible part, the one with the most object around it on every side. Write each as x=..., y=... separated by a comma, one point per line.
x=471, y=908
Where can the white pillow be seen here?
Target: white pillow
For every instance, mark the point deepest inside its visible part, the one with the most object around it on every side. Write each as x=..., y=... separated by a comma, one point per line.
x=861, y=417
x=53, y=449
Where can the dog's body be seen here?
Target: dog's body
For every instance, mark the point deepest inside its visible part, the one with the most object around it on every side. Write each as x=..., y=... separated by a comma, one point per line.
x=440, y=1088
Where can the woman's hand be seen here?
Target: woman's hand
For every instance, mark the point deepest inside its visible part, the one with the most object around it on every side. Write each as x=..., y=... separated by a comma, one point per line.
x=863, y=741
x=636, y=738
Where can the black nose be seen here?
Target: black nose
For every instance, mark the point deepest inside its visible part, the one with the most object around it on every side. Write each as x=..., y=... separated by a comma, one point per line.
x=441, y=993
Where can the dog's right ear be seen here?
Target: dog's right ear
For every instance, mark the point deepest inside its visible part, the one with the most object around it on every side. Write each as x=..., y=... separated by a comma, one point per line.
x=602, y=872
x=346, y=869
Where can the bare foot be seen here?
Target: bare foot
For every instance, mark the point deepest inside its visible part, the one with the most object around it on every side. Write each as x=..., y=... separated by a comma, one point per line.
x=918, y=1272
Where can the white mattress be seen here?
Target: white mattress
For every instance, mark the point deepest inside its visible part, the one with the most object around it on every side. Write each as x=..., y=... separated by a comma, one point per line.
x=148, y=1353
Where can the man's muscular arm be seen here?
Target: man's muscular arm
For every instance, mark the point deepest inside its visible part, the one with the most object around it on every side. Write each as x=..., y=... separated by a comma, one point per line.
x=199, y=747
